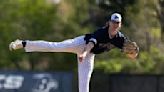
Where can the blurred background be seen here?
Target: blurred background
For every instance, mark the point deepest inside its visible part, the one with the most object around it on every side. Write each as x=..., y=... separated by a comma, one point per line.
x=57, y=20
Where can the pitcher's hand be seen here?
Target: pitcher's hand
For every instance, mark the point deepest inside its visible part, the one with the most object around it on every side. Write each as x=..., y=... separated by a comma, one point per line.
x=87, y=49
x=82, y=56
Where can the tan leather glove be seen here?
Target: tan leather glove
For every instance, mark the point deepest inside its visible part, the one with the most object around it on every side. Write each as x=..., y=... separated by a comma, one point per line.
x=131, y=49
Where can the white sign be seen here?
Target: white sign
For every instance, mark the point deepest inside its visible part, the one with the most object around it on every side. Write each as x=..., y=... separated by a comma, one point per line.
x=46, y=83
x=11, y=81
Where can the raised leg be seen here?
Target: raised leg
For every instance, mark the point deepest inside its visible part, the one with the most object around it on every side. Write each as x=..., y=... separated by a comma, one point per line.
x=75, y=45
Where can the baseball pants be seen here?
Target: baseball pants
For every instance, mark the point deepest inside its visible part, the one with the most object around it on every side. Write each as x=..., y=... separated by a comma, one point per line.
x=75, y=45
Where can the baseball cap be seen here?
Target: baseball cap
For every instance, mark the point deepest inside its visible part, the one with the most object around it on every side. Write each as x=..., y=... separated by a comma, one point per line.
x=116, y=17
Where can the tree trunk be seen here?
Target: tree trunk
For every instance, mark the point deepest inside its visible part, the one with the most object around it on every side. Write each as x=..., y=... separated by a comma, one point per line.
x=161, y=17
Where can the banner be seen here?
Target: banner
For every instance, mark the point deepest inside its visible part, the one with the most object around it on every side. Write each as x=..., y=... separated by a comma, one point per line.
x=35, y=82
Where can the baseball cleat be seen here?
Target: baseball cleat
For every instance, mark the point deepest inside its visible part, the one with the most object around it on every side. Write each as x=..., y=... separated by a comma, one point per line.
x=17, y=44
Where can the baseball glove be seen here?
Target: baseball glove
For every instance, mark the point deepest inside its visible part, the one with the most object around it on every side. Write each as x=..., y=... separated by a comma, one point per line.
x=130, y=48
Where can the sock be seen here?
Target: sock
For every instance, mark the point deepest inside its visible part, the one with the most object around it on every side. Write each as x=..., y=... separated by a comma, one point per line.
x=24, y=43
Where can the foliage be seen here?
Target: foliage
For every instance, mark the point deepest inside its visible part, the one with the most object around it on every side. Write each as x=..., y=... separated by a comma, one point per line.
x=147, y=62
x=43, y=20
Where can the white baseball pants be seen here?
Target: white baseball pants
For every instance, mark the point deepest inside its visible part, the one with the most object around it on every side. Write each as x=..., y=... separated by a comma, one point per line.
x=76, y=46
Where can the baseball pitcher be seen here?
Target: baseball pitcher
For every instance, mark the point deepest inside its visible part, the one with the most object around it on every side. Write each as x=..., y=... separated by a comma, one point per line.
x=86, y=47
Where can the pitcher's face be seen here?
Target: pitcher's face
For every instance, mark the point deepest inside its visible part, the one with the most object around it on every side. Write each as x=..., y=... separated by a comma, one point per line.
x=115, y=26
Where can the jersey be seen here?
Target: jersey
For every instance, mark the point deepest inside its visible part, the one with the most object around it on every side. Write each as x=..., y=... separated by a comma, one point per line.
x=104, y=42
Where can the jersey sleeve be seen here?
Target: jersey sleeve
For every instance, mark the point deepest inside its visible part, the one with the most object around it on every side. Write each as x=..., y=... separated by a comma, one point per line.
x=89, y=38
x=94, y=37
x=124, y=40
x=120, y=40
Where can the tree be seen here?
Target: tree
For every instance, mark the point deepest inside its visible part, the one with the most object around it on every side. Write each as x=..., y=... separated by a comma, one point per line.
x=160, y=13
